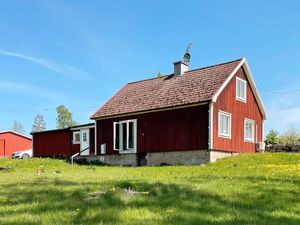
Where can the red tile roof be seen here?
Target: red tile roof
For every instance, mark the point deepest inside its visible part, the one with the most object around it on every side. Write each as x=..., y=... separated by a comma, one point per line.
x=192, y=87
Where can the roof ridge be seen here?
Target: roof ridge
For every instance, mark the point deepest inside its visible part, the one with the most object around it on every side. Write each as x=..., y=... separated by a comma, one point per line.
x=153, y=78
x=205, y=67
x=214, y=65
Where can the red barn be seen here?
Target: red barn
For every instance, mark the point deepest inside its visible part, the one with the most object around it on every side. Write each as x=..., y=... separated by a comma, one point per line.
x=188, y=117
x=11, y=141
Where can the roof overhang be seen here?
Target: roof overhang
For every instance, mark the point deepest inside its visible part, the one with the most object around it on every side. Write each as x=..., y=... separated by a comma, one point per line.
x=14, y=132
x=249, y=75
x=152, y=111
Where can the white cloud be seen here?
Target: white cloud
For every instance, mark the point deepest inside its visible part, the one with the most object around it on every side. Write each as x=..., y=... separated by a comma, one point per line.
x=31, y=90
x=56, y=67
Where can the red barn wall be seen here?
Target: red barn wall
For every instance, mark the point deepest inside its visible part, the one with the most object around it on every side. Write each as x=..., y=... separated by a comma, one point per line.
x=227, y=102
x=52, y=143
x=174, y=130
x=11, y=142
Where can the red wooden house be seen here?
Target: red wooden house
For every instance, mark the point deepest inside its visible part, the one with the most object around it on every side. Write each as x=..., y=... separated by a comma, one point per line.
x=189, y=117
x=11, y=142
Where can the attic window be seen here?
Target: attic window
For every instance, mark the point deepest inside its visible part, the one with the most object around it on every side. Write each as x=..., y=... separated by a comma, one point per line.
x=125, y=136
x=241, y=89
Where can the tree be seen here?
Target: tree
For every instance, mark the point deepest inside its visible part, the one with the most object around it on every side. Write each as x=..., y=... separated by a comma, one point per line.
x=64, y=117
x=18, y=127
x=38, y=123
x=159, y=75
x=272, y=137
x=291, y=136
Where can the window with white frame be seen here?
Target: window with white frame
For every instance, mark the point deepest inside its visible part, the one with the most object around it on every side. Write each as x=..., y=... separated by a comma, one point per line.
x=249, y=130
x=241, y=89
x=224, y=124
x=76, y=137
x=125, y=133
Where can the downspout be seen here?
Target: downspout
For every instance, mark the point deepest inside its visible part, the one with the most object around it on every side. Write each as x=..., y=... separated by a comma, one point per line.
x=210, y=125
x=95, y=137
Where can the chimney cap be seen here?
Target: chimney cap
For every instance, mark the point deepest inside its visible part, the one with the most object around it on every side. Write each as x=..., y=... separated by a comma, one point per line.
x=180, y=61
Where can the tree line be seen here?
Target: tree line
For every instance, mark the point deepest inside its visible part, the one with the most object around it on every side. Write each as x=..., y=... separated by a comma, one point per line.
x=291, y=136
x=64, y=120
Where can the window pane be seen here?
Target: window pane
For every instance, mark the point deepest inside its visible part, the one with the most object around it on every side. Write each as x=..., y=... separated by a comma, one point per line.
x=224, y=125
x=131, y=135
x=241, y=89
x=249, y=130
x=84, y=136
x=124, y=136
x=77, y=137
x=117, y=138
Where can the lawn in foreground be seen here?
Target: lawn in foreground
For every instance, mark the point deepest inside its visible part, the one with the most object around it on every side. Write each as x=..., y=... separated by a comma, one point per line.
x=247, y=189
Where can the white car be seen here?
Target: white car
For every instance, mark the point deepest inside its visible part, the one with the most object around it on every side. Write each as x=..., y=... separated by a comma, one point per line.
x=23, y=154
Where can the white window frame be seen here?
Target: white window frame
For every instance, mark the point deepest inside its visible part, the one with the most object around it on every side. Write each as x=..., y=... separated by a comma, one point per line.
x=74, y=139
x=252, y=122
x=245, y=90
x=128, y=150
x=223, y=135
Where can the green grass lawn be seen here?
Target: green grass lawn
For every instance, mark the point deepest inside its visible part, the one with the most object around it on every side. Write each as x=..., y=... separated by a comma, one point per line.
x=247, y=189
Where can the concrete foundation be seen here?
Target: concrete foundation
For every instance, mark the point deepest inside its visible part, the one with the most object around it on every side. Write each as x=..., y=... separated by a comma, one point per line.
x=215, y=155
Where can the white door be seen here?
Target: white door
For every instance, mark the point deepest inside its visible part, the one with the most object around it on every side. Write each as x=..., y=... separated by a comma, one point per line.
x=85, y=142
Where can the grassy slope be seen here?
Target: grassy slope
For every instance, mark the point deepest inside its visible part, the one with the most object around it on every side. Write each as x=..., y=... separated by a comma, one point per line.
x=248, y=189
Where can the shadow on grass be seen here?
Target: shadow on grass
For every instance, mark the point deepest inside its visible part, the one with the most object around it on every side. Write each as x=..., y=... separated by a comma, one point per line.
x=63, y=202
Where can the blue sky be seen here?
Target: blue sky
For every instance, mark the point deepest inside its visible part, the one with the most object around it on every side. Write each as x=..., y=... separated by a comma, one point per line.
x=79, y=53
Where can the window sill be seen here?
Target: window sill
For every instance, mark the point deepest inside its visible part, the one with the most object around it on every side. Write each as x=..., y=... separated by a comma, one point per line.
x=224, y=136
x=241, y=100
x=249, y=141
x=121, y=152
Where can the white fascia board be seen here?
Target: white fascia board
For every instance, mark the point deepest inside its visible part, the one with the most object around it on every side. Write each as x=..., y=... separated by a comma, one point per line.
x=251, y=82
x=14, y=132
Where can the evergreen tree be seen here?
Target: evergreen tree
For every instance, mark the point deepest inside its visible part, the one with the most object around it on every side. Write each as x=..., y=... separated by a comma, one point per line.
x=18, y=127
x=39, y=123
x=272, y=137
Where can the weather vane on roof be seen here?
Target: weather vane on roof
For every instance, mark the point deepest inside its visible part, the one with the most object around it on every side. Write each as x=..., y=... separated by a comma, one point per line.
x=187, y=56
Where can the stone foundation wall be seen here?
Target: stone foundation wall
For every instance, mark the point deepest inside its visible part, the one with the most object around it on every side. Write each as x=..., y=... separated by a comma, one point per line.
x=120, y=160
x=197, y=157
x=283, y=148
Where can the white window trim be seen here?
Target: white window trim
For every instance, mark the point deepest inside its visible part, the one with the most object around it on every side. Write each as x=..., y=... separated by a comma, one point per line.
x=228, y=136
x=245, y=91
x=121, y=151
x=253, y=130
x=74, y=135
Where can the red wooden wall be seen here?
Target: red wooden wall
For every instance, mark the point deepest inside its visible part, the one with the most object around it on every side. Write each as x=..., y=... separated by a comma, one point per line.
x=227, y=102
x=11, y=142
x=174, y=130
x=56, y=143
